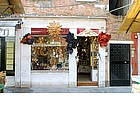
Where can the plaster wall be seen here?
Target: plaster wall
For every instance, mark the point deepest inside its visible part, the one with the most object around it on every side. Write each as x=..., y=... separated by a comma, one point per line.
x=42, y=78
x=96, y=23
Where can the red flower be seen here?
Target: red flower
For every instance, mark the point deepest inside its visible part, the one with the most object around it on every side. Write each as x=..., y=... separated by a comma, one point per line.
x=103, y=39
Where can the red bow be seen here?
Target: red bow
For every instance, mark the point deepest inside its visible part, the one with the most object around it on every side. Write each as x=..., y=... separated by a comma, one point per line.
x=103, y=39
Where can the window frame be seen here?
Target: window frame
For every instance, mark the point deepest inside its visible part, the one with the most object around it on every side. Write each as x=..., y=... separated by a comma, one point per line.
x=50, y=45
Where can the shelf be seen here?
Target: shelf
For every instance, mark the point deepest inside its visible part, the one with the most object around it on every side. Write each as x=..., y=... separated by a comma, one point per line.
x=47, y=45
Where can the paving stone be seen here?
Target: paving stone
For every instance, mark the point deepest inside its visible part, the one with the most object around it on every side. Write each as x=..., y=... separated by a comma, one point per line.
x=68, y=90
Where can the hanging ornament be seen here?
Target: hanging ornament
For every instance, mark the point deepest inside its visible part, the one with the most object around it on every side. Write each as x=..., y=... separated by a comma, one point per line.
x=54, y=29
x=103, y=39
x=72, y=42
x=27, y=39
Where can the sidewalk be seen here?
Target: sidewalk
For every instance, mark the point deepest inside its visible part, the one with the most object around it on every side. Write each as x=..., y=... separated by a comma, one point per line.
x=79, y=89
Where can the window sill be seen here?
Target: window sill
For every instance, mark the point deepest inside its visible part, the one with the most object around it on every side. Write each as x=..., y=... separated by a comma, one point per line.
x=49, y=71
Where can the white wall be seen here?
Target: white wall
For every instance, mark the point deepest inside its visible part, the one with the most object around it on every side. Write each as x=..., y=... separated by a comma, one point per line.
x=10, y=81
x=96, y=23
x=25, y=61
x=73, y=64
x=42, y=78
x=18, y=58
x=101, y=67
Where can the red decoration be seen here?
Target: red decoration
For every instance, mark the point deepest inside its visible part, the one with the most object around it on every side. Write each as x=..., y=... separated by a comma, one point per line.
x=103, y=39
x=27, y=39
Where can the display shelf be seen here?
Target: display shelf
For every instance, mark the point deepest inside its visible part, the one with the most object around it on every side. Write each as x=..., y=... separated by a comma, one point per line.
x=47, y=45
x=49, y=54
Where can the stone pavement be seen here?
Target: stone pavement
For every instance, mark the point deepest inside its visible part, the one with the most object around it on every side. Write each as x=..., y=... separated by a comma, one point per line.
x=79, y=89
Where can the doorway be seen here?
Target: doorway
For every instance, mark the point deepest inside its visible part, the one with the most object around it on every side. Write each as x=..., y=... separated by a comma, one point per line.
x=120, y=69
x=86, y=62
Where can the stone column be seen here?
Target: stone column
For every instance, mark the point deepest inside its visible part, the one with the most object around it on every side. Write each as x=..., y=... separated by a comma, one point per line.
x=18, y=58
x=73, y=65
x=25, y=68
x=101, y=67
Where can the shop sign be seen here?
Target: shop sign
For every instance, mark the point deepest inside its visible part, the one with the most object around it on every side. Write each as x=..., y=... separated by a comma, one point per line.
x=4, y=32
x=87, y=32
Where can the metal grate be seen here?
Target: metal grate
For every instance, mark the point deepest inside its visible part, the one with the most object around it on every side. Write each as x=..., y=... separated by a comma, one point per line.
x=119, y=65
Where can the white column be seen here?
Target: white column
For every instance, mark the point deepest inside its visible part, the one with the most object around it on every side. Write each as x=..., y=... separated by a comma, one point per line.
x=25, y=61
x=17, y=58
x=101, y=67
x=73, y=65
x=138, y=53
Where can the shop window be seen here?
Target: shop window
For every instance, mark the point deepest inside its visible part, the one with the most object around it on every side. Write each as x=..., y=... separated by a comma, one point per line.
x=10, y=56
x=7, y=55
x=49, y=54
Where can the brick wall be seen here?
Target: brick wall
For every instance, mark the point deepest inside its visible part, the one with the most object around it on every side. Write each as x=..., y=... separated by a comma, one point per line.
x=113, y=24
x=73, y=8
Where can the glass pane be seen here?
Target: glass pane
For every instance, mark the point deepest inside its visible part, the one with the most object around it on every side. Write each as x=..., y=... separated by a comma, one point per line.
x=10, y=44
x=9, y=61
x=9, y=67
x=10, y=50
x=10, y=56
x=49, y=56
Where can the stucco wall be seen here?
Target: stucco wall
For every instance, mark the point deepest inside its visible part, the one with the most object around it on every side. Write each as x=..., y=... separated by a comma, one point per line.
x=45, y=78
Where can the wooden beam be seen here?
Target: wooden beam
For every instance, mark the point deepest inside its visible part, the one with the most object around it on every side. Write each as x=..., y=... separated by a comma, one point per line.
x=9, y=7
x=17, y=6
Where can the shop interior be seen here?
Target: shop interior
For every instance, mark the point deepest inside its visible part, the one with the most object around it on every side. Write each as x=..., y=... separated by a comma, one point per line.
x=87, y=51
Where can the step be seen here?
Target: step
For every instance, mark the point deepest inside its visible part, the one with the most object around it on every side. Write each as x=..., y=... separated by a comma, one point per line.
x=87, y=84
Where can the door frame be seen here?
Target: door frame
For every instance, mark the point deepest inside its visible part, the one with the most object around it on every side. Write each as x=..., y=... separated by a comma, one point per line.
x=119, y=42
x=3, y=57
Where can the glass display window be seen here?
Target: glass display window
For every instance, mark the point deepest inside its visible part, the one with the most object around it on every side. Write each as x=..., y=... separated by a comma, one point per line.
x=49, y=54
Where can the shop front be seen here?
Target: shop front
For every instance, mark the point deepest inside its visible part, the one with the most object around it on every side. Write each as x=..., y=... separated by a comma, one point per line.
x=48, y=62
x=7, y=50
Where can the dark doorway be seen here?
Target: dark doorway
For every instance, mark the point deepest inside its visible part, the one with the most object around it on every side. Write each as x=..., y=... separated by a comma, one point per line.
x=119, y=64
x=83, y=66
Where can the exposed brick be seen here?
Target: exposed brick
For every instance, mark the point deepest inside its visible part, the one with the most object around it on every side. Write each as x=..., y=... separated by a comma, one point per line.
x=73, y=8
